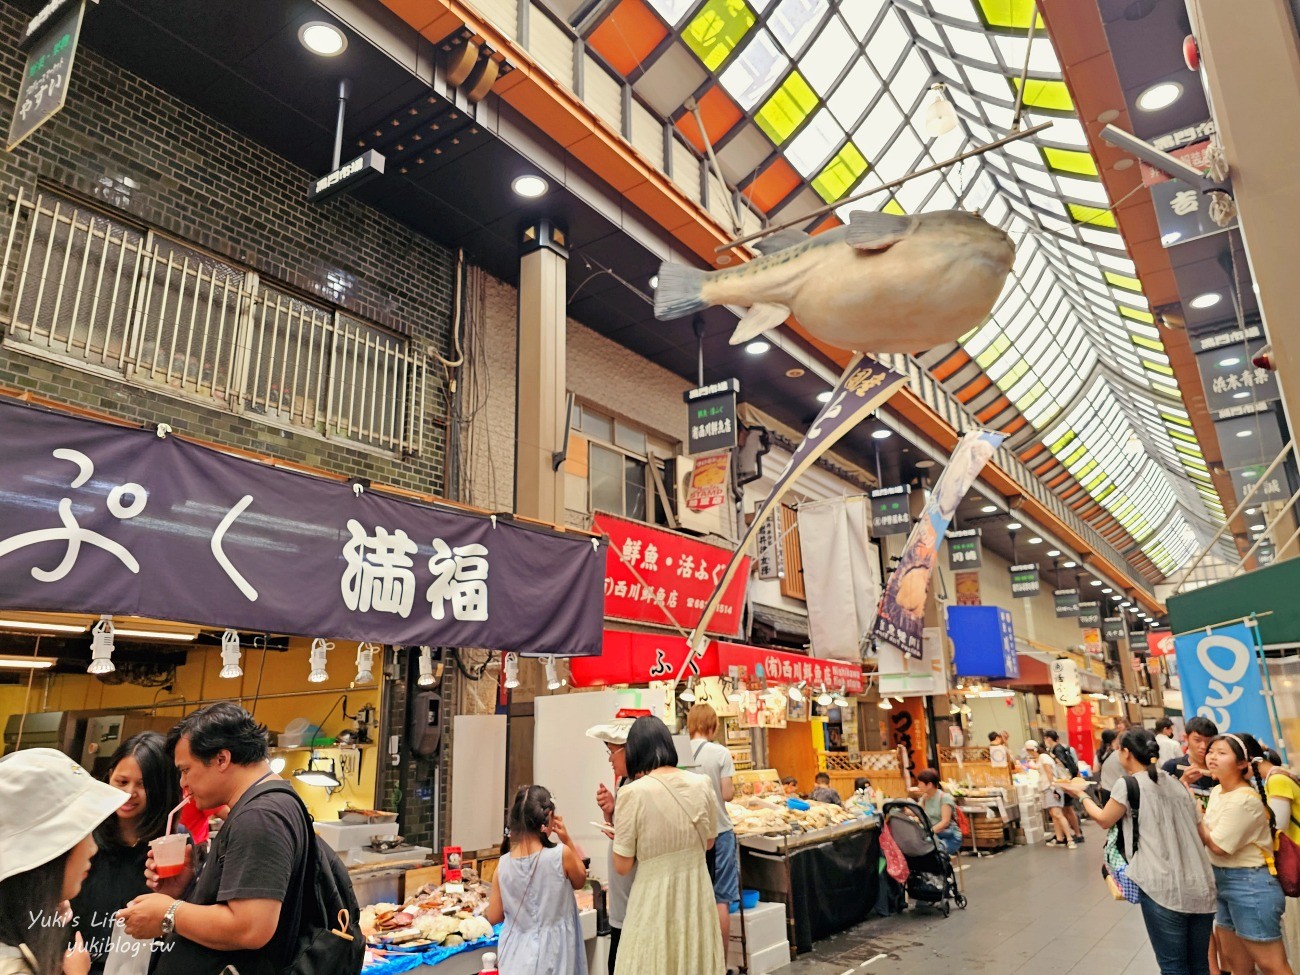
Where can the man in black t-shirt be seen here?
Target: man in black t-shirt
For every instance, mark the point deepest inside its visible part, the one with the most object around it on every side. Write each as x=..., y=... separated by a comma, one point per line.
x=1200, y=732
x=1065, y=760
x=244, y=907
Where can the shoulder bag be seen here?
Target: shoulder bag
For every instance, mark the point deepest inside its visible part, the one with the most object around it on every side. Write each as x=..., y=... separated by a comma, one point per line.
x=1115, y=864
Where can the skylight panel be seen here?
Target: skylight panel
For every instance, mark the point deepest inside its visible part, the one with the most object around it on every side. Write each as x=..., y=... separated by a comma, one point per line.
x=672, y=11
x=829, y=55
x=899, y=157
x=889, y=39
x=972, y=45
x=853, y=95
x=912, y=81
x=755, y=70
x=793, y=22
x=1042, y=58
x=816, y=144
x=959, y=10
x=717, y=29
x=861, y=15
x=879, y=128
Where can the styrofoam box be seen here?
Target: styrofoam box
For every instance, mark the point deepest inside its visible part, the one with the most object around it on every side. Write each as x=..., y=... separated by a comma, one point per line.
x=765, y=925
x=349, y=836
x=761, y=962
x=1033, y=834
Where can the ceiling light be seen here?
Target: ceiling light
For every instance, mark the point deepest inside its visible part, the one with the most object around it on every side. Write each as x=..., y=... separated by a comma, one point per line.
x=529, y=187
x=512, y=671
x=27, y=663
x=688, y=693
x=1229, y=362
x=881, y=434
x=758, y=347
x=1035, y=541
x=1245, y=433
x=885, y=704
x=426, y=678
x=1257, y=528
x=311, y=775
x=794, y=372
x=899, y=698
x=365, y=664
x=1015, y=526
x=824, y=396
x=840, y=700
x=553, y=682
x=1251, y=511
x=318, y=673
x=11, y=623
x=940, y=116
x=1207, y=300
x=101, y=647
x=1068, y=565
x=988, y=509
x=150, y=634
x=1096, y=582
x=1159, y=96
x=1053, y=553
x=796, y=690
x=230, y=655
x=654, y=282
x=322, y=38
x=1107, y=590
x=824, y=698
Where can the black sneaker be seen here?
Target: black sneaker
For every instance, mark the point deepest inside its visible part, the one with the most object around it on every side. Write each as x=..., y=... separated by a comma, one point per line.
x=1079, y=838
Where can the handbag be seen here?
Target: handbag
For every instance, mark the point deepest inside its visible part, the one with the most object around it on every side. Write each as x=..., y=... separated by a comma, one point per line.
x=1115, y=865
x=895, y=863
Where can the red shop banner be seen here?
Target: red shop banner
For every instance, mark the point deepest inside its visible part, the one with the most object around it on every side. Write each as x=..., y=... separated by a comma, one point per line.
x=660, y=577
x=639, y=658
x=1160, y=643
x=1079, y=731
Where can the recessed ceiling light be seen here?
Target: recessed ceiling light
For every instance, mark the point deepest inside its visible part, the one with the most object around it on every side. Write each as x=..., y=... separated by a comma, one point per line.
x=1207, y=300
x=1257, y=528
x=758, y=347
x=1053, y=553
x=1229, y=362
x=1015, y=526
x=1035, y=541
x=794, y=373
x=988, y=509
x=824, y=396
x=1159, y=96
x=654, y=282
x=322, y=38
x=1095, y=582
x=1107, y=590
x=1245, y=433
x=1108, y=116
x=1251, y=511
x=881, y=434
x=1068, y=565
x=529, y=187
x=1123, y=164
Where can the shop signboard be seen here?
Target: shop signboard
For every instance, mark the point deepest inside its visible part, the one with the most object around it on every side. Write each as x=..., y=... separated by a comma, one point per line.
x=1067, y=603
x=1024, y=580
x=1078, y=723
x=663, y=578
x=984, y=642
x=967, y=585
x=1278, y=485
x=1160, y=643
x=1182, y=211
x=709, y=481
x=1229, y=376
x=771, y=553
x=1092, y=642
x=964, y=550
x=44, y=86
x=900, y=674
x=861, y=388
x=1089, y=614
x=1220, y=673
x=711, y=417
x=107, y=519
x=1112, y=629
x=901, y=617
x=353, y=173
x=890, y=514
x=1066, y=687
x=639, y=658
x=907, y=730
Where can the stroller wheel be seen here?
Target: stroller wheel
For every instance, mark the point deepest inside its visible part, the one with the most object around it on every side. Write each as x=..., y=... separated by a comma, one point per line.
x=961, y=901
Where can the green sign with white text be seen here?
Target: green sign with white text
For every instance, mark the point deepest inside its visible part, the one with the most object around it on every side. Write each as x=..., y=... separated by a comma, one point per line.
x=44, y=87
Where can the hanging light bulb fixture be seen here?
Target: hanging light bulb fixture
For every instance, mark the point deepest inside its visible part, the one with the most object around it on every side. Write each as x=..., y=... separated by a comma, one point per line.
x=230, y=655
x=426, y=678
x=886, y=704
x=101, y=647
x=796, y=690
x=365, y=663
x=688, y=692
x=824, y=698
x=841, y=701
x=940, y=116
x=512, y=671
x=553, y=682
x=319, y=648
x=735, y=694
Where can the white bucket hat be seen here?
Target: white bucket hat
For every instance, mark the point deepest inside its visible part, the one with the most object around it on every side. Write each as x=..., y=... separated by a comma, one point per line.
x=48, y=804
x=612, y=732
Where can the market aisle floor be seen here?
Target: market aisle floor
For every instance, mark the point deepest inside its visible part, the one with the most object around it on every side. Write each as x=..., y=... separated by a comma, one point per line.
x=1033, y=910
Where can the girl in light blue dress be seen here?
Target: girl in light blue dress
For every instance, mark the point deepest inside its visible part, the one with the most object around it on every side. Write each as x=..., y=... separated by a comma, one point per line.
x=533, y=892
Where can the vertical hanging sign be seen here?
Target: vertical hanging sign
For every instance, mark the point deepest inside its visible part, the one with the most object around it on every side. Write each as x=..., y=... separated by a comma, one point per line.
x=1024, y=580
x=964, y=549
x=52, y=36
x=711, y=417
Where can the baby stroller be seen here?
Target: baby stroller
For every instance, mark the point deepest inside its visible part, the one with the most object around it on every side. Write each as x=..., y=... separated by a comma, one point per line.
x=932, y=879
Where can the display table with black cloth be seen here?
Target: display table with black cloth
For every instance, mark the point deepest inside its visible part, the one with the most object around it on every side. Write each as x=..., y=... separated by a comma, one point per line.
x=829, y=879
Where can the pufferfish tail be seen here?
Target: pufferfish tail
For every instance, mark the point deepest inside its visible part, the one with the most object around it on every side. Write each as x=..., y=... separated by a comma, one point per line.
x=678, y=294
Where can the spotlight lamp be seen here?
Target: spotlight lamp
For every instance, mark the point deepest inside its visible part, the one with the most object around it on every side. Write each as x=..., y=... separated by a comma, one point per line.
x=101, y=647
x=688, y=692
x=366, y=663
x=230, y=655
x=841, y=701
x=426, y=678
x=512, y=671
x=318, y=673
x=324, y=776
x=796, y=690
x=553, y=682
x=824, y=698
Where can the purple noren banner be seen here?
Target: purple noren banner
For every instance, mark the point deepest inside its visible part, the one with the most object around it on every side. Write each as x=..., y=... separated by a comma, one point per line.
x=98, y=518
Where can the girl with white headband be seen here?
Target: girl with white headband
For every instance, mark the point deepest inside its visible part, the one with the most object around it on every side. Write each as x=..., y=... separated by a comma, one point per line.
x=1238, y=832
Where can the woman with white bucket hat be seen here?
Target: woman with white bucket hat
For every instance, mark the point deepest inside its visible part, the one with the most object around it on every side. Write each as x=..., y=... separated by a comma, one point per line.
x=49, y=806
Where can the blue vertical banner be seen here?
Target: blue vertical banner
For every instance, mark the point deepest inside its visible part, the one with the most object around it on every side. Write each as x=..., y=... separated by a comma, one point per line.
x=900, y=620
x=1221, y=679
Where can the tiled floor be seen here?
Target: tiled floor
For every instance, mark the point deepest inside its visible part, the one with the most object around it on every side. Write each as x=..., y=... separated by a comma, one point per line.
x=1033, y=911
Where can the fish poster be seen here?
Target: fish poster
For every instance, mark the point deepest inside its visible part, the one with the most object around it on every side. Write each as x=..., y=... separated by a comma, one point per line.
x=900, y=621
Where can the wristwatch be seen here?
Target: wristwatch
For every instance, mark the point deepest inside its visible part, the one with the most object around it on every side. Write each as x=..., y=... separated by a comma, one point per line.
x=169, y=919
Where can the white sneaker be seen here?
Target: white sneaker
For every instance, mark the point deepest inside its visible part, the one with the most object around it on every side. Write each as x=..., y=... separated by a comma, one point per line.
x=1071, y=845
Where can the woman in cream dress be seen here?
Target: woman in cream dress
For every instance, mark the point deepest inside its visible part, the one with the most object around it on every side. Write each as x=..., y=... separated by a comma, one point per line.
x=664, y=822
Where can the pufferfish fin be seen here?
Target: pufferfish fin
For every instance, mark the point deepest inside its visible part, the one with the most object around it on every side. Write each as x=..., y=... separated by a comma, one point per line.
x=871, y=230
x=757, y=320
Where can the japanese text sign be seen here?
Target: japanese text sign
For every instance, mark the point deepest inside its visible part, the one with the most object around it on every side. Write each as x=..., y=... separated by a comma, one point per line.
x=1090, y=614
x=1112, y=629
x=1160, y=643
x=709, y=482
x=711, y=417
x=890, y=514
x=44, y=87
x=964, y=549
x=99, y=518
x=1079, y=729
x=1024, y=580
x=983, y=642
x=1220, y=675
x=661, y=577
x=902, y=606
x=1067, y=603
x=1065, y=681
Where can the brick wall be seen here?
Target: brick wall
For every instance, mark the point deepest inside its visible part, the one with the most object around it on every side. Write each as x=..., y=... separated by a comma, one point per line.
x=141, y=153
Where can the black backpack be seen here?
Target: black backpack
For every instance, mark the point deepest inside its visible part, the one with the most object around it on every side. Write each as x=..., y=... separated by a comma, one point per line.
x=330, y=941
x=1063, y=756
